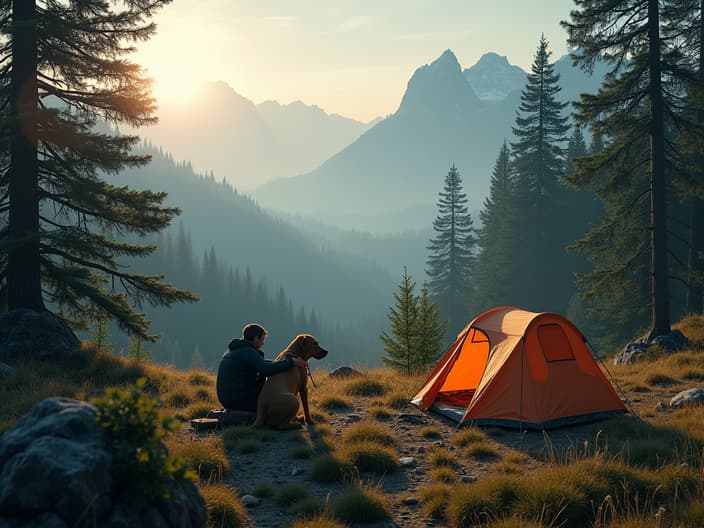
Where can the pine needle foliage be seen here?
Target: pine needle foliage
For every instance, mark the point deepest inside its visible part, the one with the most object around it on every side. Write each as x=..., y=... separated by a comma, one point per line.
x=64, y=75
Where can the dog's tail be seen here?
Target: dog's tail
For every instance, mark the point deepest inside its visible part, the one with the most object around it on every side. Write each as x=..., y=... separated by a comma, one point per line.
x=261, y=413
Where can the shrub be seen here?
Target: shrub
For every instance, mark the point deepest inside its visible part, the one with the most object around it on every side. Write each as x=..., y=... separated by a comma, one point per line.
x=291, y=493
x=141, y=465
x=361, y=505
x=329, y=468
x=223, y=507
x=368, y=457
x=365, y=387
x=366, y=432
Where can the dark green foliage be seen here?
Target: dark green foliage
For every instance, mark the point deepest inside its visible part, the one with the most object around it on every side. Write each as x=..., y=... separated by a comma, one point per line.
x=361, y=505
x=62, y=219
x=400, y=348
x=141, y=466
x=542, y=279
x=451, y=258
x=430, y=330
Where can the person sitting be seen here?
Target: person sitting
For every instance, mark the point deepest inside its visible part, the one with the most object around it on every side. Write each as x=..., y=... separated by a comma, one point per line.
x=243, y=369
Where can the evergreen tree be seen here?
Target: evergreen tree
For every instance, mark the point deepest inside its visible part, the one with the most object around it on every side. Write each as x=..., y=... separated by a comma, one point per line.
x=62, y=71
x=136, y=350
x=638, y=102
x=400, y=347
x=430, y=331
x=543, y=280
x=451, y=258
x=497, y=239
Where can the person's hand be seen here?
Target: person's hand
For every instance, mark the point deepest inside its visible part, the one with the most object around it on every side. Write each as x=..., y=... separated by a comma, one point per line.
x=300, y=363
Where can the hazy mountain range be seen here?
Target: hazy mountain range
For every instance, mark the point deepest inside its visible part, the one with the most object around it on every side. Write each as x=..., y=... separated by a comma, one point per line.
x=398, y=166
x=221, y=131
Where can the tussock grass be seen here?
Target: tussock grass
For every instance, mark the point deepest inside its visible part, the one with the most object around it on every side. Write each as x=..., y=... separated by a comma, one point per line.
x=223, y=507
x=369, y=457
x=179, y=399
x=380, y=413
x=335, y=403
x=309, y=507
x=201, y=379
x=360, y=504
x=319, y=417
x=397, y=400
x=484, y=500
x=263, y=489
x=692, y=326
x=244, y=439
x=206, y=456
x=301, y=452
x=329, y=468
x=291, y=493
x=365, y=387
x=430, y=432
x=444, y=474
x=320, y=521
x=434, y=500
x=482, y=451
x=204, y=395
x=369, y=432
x=196, y=410
x=442, y=457
x=468, y=436
x=658, y=378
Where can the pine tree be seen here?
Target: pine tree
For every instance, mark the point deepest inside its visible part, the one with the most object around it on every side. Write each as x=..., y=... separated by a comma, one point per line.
x=400, y=347
x=543, y=280
x=639, y=100
x=430, y=331
x=62, y=72
x=451, y=258
x=497, y=239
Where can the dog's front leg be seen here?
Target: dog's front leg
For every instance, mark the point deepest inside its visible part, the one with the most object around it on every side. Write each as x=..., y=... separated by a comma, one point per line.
x=304, y=402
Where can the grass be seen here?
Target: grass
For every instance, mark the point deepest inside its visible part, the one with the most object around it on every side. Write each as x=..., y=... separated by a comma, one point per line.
x=245, y=439
x=291, y=493
x=431, y=433
x=442, y=457
x=223, y=507
x=318, y=521
x=369, y=457
x=263, y=489
x=444, y=474
x=206, y=456
x=360, y=504
x=329, y=468
x=482, y=451
x=434, y=500
x=380, y=413
x=369, y=432
x=365, y=387
x=335, y=403
x=468, y=436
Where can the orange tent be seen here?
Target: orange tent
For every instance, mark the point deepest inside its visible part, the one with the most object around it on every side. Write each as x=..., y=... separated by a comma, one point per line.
x=519, y=369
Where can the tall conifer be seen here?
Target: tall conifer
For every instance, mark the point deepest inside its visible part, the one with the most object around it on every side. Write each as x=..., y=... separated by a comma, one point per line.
x=400, y=347
x=62, y=72
x=452, y=258
x=430, y=331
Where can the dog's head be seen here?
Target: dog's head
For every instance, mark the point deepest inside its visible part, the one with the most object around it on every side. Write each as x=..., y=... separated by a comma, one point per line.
x=306, y=346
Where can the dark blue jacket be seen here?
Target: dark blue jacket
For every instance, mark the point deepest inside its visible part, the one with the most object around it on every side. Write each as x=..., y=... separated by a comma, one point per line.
x=242, y=372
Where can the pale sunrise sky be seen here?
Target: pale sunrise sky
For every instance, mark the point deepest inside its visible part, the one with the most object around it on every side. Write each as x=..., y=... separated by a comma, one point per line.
x=349, y=58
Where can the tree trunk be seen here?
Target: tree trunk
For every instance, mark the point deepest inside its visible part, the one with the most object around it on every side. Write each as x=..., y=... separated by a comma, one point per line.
x=695, y=265
x=658, y=219
x=23, y=272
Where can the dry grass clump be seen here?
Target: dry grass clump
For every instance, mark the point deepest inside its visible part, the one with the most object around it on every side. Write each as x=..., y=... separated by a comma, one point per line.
x=476, y=503
x=442, y=457
x=397, y=400
x=335, y=403
x=206, y=456
x=329, y=468
x=201, y=379
x=301, y=452
x=692, y=326
x=263, y=489
x=430, y=432
x=369, y=432
x=360, y=504
x=223, y=507
x=434, y=500
x=468, y=436
x=245, y=439
x=379, y=413
x=319, y=521
x=370, y=457
x=365, y=387
x=319, y=417
x=195, y=410
x=444, y=474
x=291, y=493
x=482, y=451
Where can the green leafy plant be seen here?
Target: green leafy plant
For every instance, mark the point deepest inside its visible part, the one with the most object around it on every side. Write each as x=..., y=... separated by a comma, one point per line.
x=142, y=466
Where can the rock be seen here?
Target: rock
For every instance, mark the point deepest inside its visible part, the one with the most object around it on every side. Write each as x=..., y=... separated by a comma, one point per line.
x=672, y=342
x=344, y=372
x=421, y=449
x=688, y=397
x=352, y=418
x=40, y=335
x=56, y=471
x=466, y=479
x=6, y=371
x=419, y=470
x=250, y=501
x=407, y=461
x=410, y=501
x=411, y=418
x=660, y=406
x=631, y=353
x=297, y=471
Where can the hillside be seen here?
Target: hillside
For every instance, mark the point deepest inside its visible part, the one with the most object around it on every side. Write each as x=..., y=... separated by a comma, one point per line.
x=621, y=472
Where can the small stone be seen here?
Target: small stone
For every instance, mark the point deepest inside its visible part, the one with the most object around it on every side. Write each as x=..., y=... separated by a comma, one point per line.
x=466, y=479
x=411, y=418
x=351, y=418
x=410, y=501
x=407, y=461
x=297, y=471
x=660, y=406
x=419, y=471
x=421, y=449
x=250, y=501
x=6, y=371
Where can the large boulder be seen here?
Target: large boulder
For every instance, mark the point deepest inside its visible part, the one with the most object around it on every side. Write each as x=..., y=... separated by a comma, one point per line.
x=41, y=335
x=687, y=397
x=632, y=352
x=55, y=471
x=344, y=372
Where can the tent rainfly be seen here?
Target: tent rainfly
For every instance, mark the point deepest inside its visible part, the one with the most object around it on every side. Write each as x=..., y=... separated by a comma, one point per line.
x=521, y=369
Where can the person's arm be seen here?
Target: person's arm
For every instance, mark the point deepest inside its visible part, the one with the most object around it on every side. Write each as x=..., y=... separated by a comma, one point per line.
x=267, y=368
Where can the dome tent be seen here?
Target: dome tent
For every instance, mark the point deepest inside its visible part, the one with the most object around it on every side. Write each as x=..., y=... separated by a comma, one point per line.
x=521, y=369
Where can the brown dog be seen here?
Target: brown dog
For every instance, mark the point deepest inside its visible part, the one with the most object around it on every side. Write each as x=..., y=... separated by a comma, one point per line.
x=278, y=402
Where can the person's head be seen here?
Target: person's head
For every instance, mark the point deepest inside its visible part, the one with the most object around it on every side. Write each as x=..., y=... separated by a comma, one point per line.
x=255, y=333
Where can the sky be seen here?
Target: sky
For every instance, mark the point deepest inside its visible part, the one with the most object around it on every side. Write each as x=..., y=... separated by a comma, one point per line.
x=352, y=58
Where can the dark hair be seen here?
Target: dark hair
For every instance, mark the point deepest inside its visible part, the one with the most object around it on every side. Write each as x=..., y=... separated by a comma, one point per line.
x=253, y=330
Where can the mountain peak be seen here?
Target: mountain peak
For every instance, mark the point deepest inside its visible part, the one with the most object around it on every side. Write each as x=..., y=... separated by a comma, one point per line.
x=438, y=87
x=492, y=78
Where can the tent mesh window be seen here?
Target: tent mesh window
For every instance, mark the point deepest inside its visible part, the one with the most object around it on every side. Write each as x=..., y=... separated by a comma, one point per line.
x=554, y=343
